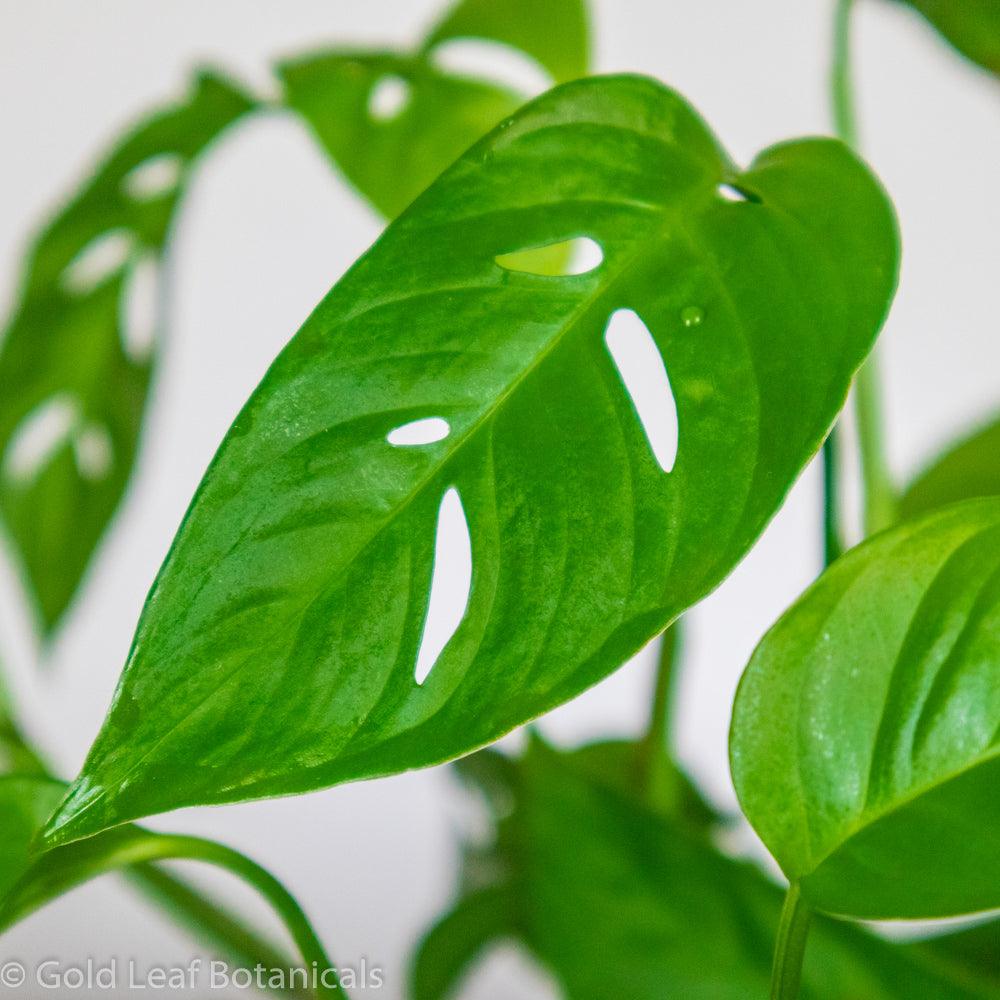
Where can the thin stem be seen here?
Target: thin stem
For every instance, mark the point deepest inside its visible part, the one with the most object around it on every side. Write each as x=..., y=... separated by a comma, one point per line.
x=655, y=757
x=790, y=948
x=832, y=544
x=879, y=491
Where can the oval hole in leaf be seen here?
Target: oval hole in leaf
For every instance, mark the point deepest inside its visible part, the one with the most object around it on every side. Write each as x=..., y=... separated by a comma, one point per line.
x=97, y=261
x=388, y=98
x=565, y=258
x=645, y=378
x=94, y=452
x=140, y=309
x=479, y=59
x=154, y=177
x=39, y=436
x=451, y=583
x=417, y=432
x=729, y=192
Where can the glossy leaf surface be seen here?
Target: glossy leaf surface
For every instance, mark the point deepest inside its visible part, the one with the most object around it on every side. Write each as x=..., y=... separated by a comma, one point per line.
x=74, y=376
x=967, y=470
x=971, y=26
x=277, y=651
x=866, y=732
x=601, y=890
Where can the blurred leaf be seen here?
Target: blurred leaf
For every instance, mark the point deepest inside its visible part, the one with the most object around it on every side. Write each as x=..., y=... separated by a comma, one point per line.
x=75, y=378
x=970, y=952
x=278, y=650
x=966, y=471
x=553, y=32
x=393, y=122
x=866, y=732
x=617, y=900
x=971, y=26
x=391, y=158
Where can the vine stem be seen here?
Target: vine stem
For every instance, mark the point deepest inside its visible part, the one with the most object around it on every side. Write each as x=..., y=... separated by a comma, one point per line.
x=879, y=491
x=655, y=752
x=790, y=949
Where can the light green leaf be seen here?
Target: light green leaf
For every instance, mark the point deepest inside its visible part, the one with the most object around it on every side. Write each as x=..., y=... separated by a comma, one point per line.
x=391, y=157
x=553, y=32
x=74, y=373
x=971, y=26
x=278, y=649
x=603, y=891
x=867, y=726
x=967, y=470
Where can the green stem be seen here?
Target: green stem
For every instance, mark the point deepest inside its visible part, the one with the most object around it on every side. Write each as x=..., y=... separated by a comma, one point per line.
x=655, y=756
x=832, y=544
x=879, y=491
x=790, y=948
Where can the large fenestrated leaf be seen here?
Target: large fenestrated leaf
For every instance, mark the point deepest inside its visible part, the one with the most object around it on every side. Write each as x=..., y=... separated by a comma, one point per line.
x=392, y=122
x=601, y=890
x=74, y=368
x=971, y=26
x=866, y=732
x=965, y=471
x=277, y=650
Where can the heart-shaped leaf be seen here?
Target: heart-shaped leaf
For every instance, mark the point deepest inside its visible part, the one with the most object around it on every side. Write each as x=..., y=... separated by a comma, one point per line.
x=77, y=354
x=279, y=648
x=685, y=921
x=967, y=470
x=971, y=26
x=866, y=732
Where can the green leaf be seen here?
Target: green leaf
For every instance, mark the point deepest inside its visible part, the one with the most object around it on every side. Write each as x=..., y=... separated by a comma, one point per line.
x=553, y=32
x=391, y=158
x=602, y=890
x=971, y=26
x=277, y=651
x=967, y=470
x=75, y=381
x=971, y=952
x=866, y=729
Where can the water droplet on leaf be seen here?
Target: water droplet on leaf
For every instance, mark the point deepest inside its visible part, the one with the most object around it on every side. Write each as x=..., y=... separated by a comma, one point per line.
x=692, y=316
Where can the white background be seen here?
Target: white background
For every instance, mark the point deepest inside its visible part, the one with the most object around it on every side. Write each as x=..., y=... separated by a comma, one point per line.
x=269, y=228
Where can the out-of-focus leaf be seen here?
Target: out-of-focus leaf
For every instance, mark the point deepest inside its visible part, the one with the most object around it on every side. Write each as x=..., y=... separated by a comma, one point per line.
x=76, y=356
x=866, y=731
x=971, y=26
x=555, y=33
x=973, y=953
x=391, y=158
x=15, y=754
x=609, y=895
x=967, y=470
x=393, y=122
x=279, y=647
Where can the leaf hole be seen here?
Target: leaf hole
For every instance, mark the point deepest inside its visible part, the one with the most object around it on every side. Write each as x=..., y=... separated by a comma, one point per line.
x=425, y=431
x=644, y=375
x=566, y=258
x=389, y=97
x=97, y=261
x=140, y=309
x=154, y=177
x=39, y=436
x=93, y=451
x=730, y=192
x=451, y=583
x=479, y=59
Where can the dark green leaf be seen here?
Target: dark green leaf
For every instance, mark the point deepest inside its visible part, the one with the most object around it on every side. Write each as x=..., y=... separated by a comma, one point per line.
x=553, y=32
x=973, y=953
x=967, y=470
x=277, y=651
x=866, y=732
x=971, y=26
x=391, y=158
x=607, y=894
x=74, y=379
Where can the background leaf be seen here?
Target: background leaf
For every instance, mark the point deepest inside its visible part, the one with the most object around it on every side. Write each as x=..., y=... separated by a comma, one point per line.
x=278, y=650
x=609, y=895
x=971, y=26
x=866, y=728
x=75, y=380
x=967, y=470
